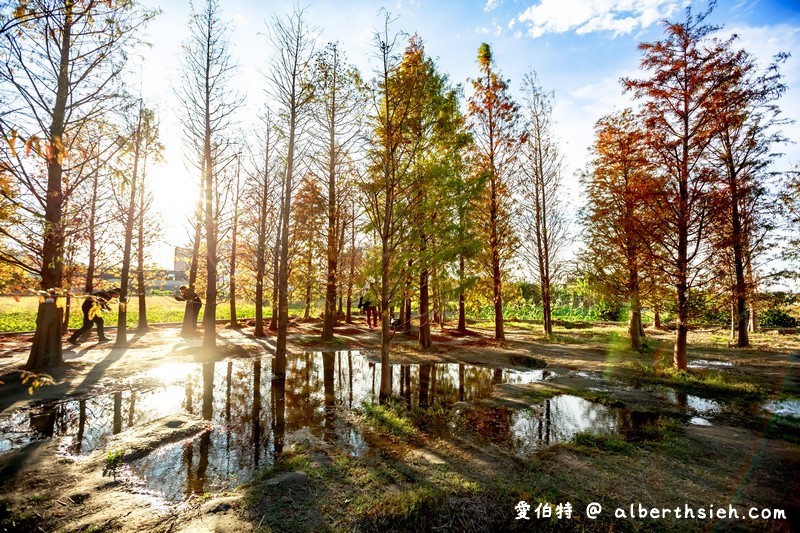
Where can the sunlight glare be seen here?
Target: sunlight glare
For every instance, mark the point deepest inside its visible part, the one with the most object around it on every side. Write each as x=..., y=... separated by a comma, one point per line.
x=170, y=373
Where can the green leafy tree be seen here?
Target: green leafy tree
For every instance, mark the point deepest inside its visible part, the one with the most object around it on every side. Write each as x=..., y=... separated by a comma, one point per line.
x=435, y=132
x=385, y=182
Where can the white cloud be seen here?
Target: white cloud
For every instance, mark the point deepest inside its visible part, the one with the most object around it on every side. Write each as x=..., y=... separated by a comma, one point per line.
x=496, y=30
x=588, y=16
x=491, y=4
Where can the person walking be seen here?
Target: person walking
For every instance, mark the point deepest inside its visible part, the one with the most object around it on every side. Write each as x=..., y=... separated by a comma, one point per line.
x=93, y=307
x=369, y=308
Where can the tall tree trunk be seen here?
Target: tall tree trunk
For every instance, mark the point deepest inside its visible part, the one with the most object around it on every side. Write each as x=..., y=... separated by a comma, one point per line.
x=234, y=232
x=69, y=272
x=273, y=321
x=497, y=282
x=462, y=308
x=544, y=286
x=283, y=277
x=682, y=262
x=548, y=301
x=332, y=244
x=189, y=324
x=92, y=236
x=350, y=280
x=635, y=323
x=406, y=307
x=261, y=247
x=210, y=316
x=635, y=326
x=141, y=290
x=389, y=175
x=351, y=273
x=46, y=347
x=424, y=315
x=309, y=284
x=438, y=312
x=753, y=289
x=738, y=263
x=130, y=220
x=386, y=369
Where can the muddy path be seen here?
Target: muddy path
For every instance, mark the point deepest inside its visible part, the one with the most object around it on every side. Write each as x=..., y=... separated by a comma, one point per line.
x=163, y=436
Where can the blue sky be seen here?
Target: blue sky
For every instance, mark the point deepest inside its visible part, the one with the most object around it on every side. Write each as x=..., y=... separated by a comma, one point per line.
x=578, y=48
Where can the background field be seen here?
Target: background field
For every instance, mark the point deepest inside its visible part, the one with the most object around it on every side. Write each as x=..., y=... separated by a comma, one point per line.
x=20, y=315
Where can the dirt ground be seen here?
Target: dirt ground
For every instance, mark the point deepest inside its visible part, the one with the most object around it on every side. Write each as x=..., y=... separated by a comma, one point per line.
x=41, y=490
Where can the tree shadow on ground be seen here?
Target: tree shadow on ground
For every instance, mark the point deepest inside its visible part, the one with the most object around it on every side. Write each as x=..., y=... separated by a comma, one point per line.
x=94, y=376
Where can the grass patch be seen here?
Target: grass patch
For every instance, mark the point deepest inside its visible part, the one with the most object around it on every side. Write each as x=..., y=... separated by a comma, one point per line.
x=389, y=418
x=541, y=393
x=647, y=433
x=587, y=441
x=20, y=315
x=407, y=509
x=598, y=397
x=286, y=462
x=783, y=427
x=696, y=380
x=37, y=499
x=659, y=431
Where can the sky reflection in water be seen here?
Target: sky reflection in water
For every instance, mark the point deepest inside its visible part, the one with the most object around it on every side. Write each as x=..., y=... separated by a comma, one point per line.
x=252, y=415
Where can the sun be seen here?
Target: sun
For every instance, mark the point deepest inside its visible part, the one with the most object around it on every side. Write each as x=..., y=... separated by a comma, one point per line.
x=175, y=193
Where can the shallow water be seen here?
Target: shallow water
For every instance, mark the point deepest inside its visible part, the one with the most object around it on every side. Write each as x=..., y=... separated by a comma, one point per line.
x=556, y=420
x=251, y=413
x=709, y=363
x=253, y=416
x=784, y=407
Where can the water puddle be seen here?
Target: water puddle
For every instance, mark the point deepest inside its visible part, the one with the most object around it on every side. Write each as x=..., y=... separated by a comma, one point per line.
x=252, y=414
x=553, y=421
x=784, y=407
x=709, y=363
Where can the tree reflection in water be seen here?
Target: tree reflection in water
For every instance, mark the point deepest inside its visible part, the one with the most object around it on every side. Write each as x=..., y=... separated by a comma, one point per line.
x=244, y=434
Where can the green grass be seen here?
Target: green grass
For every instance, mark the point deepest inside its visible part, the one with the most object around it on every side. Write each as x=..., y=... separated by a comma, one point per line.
x=586, y=441
x=390, y=419
x=783, y=427
x=407, y=509
x=541, y=393
x=712, y=381
x=113, y=460
x=20, y=315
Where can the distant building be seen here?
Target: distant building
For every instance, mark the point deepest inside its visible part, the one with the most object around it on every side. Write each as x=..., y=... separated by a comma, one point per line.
x=182, y=259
